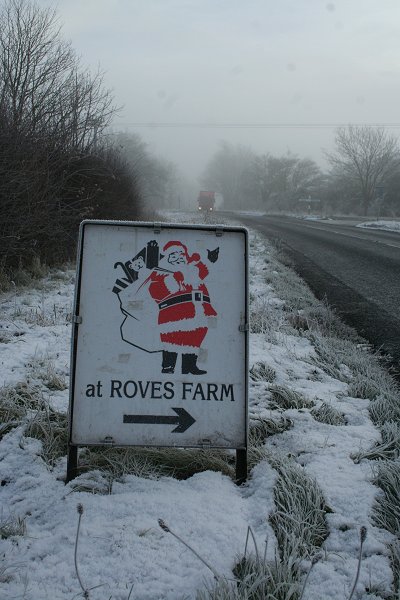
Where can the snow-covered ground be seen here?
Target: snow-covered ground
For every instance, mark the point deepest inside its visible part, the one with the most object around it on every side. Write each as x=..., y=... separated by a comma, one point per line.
x=388, y=225
x=122, y=551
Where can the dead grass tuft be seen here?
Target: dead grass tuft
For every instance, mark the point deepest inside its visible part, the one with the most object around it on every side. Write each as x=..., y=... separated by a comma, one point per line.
x=156, y=462
x=386, y=510
x=15, y=401
x=265, y=318
x=261, y=371
x=328, y=414
x=284, y=398
x=363, y=387
x=299, y=520
x=51, y=428
x=386, y=407
x=262, y=428
x=387, y=449
x=11, y=526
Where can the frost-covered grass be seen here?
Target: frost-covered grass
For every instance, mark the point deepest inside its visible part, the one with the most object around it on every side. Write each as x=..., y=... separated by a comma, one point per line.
x=15, y=403
x=257, y=578
x=340, y=354
x=24, y=277
x=394, y=549
x=387, y=448
x=51, y=428
x=299, y=521
x=261, y=428
x=305, y=494
x=43, y=368
x=386, y=407
x=386, y=511
x=11, y=526
x=156, y=462
x=261, y=371
x=328, y=414
x=264, y=318
x=285, y=398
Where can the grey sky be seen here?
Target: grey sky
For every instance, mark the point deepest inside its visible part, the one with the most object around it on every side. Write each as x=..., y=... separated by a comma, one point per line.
x=231, y=61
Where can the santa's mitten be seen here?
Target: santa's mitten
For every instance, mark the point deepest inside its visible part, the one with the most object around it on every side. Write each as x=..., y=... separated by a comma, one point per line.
x=178, y=276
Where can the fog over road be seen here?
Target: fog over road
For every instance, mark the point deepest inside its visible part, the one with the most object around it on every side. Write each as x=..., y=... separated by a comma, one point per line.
x=357, y=270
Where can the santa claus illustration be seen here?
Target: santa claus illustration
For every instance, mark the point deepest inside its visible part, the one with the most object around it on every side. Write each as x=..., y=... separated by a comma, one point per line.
x=184, y=305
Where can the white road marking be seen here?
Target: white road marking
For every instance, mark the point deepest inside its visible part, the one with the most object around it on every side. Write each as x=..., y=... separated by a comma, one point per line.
x=358, y=237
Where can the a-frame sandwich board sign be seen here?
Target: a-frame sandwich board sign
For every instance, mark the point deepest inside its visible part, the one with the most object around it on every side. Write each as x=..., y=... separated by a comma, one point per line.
x=160, y=338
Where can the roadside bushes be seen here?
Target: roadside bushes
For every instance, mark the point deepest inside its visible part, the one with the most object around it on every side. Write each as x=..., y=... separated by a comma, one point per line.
x=56, y=167
x=45, y=193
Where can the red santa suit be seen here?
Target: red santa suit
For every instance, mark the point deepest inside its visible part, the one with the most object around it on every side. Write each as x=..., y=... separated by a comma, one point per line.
x=183, y=300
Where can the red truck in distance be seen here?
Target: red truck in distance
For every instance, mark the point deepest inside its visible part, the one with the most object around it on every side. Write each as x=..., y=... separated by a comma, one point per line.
x=206, y=201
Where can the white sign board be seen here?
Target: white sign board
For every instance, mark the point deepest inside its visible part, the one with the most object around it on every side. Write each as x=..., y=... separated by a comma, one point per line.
x=160, y=343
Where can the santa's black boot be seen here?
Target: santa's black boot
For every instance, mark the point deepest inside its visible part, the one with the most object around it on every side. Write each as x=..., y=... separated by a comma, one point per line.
x=168, y=361
x=189, y=365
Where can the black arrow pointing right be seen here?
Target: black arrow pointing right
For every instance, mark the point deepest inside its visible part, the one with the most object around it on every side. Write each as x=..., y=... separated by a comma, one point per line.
x=183, y=419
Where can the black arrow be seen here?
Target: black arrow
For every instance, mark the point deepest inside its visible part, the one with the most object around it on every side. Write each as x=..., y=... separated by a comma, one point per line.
x=183, y=420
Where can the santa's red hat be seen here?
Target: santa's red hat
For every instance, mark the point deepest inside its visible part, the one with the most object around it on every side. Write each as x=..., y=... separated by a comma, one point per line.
x=175, y=246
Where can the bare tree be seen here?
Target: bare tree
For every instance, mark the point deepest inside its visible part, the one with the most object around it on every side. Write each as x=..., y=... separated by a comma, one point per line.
x=366, y=156
x=55, y=167
x=42, y=88
x=283, y=180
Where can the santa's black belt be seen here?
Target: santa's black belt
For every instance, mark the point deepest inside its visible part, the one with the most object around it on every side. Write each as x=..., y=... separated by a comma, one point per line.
x=193, y=297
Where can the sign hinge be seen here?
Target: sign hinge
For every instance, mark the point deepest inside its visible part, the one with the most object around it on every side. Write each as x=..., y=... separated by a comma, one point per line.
x=205, y=444
x=108, y=441
x=219, y=231
x=157, y=227
x=243, y=325
x=77, y=319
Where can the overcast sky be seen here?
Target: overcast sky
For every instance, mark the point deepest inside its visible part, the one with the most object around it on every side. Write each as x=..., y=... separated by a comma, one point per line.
x=282, y=62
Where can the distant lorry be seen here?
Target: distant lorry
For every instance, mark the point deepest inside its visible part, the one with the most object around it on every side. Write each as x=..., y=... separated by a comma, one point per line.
x=206, y=200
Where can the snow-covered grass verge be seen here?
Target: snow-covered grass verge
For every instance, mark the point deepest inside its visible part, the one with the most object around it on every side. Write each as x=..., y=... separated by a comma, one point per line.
x=323, y=415
x=386, y=224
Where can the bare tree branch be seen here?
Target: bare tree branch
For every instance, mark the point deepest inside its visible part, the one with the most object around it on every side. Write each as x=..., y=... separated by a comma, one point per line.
x=367, y=157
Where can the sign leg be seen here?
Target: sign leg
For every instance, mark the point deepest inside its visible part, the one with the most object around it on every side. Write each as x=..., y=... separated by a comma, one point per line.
x=72, y=463
x=241, y=466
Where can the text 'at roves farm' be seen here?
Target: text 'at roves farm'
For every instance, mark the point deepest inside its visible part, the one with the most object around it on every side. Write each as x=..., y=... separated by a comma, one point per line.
x=158, y=390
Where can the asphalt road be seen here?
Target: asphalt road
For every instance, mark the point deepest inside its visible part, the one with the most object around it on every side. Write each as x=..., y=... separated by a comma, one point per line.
x=356, y=269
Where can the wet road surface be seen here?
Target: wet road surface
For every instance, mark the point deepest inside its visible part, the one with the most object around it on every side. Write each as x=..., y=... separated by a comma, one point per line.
x=356, y=269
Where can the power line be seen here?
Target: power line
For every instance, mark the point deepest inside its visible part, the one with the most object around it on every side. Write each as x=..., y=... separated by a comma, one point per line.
x=194, y=125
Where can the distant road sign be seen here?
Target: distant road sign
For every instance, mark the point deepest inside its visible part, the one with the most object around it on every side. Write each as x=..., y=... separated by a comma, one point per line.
x=160, y=344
